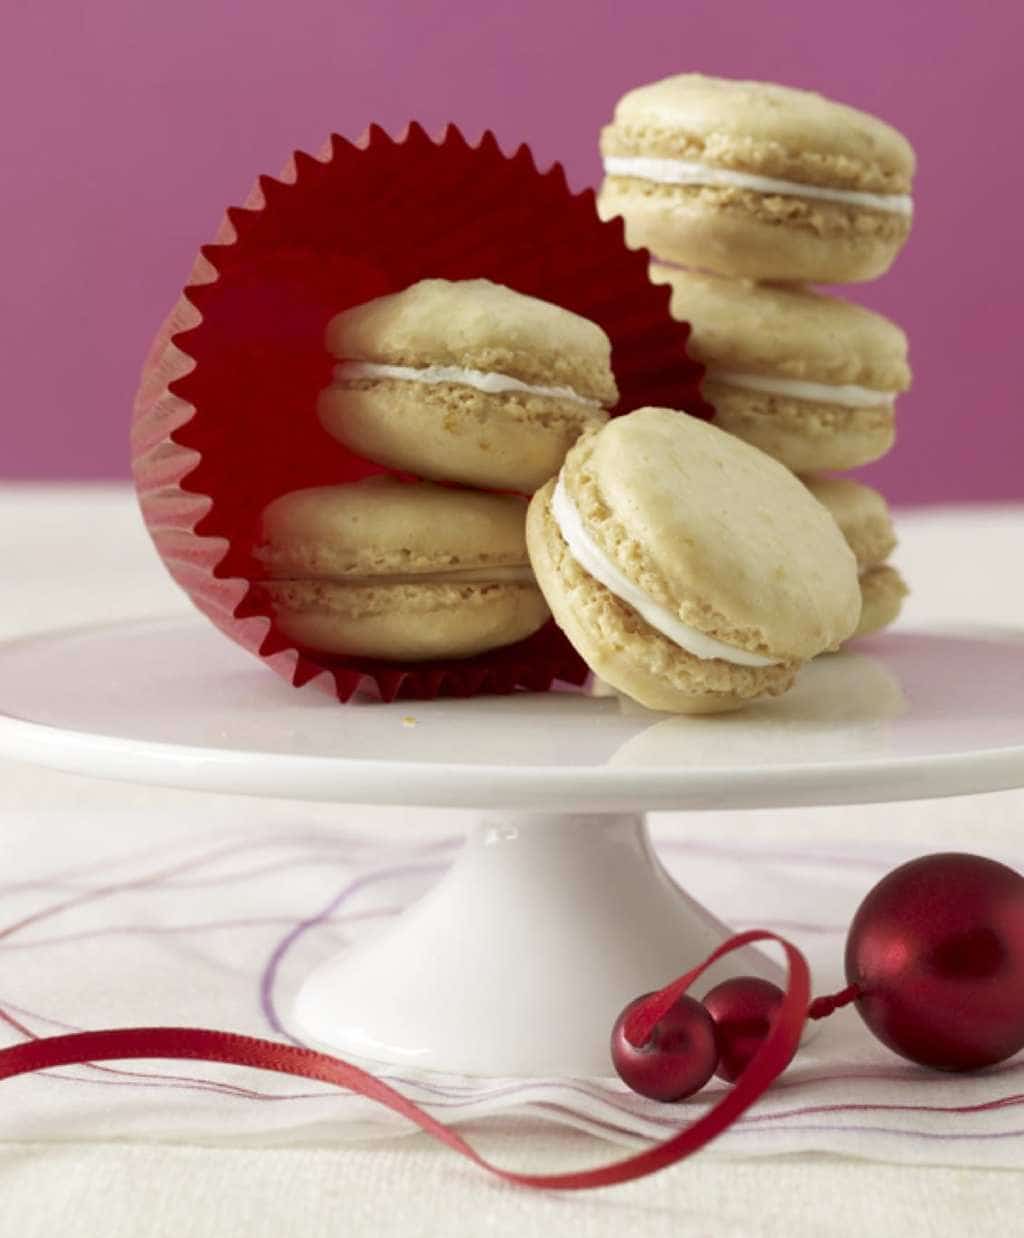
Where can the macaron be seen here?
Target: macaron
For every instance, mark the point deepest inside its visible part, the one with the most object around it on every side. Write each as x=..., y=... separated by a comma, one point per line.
x=692, y=572
x=863, y=517
x=466, y=381
x=810, y=379
x=401, y=571
x=882, y=592
x=756, y=180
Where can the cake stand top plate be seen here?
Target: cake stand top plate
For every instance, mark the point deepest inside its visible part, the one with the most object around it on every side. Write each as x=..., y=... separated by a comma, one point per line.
x=172, y=702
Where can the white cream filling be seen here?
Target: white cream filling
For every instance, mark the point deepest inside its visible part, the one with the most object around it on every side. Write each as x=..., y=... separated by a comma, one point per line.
x=822, y=393
x=500, y=574
x=687, y=172
x=492, y=384
x=596, y=563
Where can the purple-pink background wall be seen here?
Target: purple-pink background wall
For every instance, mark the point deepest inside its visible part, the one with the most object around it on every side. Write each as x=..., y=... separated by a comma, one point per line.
x=127, y=125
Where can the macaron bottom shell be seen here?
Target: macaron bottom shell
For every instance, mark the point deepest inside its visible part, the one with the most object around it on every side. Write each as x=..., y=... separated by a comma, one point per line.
x=449, y=432
x=414, y=622
x=740, y=232
x=801, y=434
x=622, y=649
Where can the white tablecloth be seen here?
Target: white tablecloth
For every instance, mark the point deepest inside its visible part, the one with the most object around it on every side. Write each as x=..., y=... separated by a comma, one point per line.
x=161, y=1155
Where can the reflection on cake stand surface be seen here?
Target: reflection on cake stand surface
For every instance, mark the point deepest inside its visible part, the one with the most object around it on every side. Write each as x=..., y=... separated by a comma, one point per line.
x=558, y=911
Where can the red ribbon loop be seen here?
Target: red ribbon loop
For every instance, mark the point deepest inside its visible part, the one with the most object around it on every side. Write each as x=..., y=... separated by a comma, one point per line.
x=199, y=1044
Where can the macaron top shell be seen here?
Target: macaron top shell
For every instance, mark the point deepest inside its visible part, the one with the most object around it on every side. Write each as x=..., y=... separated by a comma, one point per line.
x=762, y=128
x=786, y=331
x=716, y=531
x=861, y=513
x=476, y=324
x=383, y=527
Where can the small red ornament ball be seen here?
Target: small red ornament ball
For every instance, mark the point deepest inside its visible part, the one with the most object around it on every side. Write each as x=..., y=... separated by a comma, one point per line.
x=677, y=1059
x=742, y=1009
x=937, y=953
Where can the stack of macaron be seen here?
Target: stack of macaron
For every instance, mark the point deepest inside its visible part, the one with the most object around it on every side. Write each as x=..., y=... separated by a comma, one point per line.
x=693, y=566
x=746, y=192
x=467, y=383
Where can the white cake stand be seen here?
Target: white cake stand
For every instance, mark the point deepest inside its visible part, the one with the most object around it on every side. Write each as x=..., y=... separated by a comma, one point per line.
x=557, y=911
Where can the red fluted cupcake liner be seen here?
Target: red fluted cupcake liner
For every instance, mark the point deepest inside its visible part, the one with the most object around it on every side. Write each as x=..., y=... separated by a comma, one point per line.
x=224, y=418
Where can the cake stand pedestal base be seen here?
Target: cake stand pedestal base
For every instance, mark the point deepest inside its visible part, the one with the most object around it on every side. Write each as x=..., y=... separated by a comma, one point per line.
x=520, y=959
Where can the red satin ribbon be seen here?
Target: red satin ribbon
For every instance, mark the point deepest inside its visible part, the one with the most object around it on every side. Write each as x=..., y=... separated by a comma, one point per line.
x=200, y=1044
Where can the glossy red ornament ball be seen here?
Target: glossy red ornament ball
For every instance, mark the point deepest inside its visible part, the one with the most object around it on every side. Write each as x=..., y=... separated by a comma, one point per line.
x=742, y=1009
x=676, y=1060
x=937, y=952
